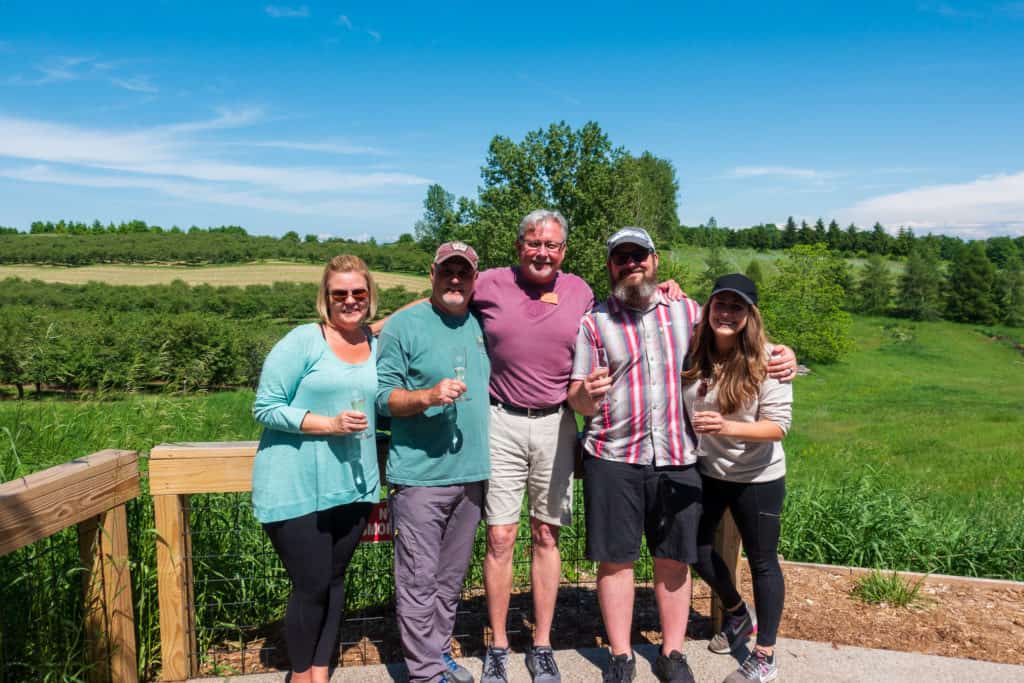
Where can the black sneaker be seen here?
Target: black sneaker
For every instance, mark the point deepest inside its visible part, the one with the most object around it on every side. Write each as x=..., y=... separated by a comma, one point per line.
x=541, y=663
x=621, y=669
x=735, y=631
x=673, y=669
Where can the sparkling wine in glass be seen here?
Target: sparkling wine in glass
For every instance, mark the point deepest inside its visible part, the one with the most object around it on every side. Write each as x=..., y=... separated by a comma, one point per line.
x=601, y=363
x=459, y=367
x=359, y=405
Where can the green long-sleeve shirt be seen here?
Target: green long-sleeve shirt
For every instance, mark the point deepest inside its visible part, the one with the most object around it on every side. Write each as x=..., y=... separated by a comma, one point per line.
x=295, y=473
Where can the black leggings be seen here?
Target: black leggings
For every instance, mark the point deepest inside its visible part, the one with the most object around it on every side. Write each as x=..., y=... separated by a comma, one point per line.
x=756, y=509
x=315, y=550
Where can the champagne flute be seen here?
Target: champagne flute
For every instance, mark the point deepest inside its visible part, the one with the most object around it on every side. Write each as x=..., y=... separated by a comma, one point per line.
x=359, y=405
x=459, y=366
x=702, y=404
x=601, y=360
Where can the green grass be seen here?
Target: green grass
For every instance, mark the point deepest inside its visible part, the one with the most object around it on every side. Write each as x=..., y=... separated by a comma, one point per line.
x=878, y=588
x=235, y=275
x=905, y=455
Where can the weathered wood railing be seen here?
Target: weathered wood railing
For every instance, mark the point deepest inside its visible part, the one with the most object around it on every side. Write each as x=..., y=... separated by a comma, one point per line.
x=90, y=492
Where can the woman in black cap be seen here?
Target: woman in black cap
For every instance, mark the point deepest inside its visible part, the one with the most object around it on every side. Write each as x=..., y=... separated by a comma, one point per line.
x=740, y=416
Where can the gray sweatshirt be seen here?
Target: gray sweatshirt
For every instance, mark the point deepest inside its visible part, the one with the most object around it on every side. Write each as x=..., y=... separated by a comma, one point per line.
x=732, y=459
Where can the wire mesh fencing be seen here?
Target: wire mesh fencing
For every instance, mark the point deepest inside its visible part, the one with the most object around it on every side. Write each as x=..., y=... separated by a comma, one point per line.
x=241, y=591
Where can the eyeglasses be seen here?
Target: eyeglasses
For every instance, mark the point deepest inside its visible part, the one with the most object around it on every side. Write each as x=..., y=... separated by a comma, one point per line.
x=535, y=245
x=624, y=256
x=340, y=296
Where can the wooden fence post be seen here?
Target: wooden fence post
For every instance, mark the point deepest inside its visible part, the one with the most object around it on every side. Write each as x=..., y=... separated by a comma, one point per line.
x=174, y=577
x=727, y=544
x=109, y=620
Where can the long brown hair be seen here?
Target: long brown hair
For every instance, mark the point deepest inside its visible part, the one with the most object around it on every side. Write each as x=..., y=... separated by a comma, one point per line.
x=345, y=263
x=736, y=376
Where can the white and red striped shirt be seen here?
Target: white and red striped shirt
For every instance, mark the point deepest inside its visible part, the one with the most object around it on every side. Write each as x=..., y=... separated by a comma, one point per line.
x=641, y=420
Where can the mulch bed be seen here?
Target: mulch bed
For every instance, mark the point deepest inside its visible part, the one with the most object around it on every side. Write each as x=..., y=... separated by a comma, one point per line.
x=954, y=619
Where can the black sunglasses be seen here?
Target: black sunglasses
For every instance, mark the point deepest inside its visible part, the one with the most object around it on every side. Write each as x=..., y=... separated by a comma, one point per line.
x=624, y=256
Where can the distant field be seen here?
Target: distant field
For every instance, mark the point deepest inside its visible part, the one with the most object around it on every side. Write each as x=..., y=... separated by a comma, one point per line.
x=240, y=275
x=694, y=259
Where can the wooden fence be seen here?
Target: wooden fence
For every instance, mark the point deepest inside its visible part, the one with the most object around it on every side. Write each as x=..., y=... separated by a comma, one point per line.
x=90, y=492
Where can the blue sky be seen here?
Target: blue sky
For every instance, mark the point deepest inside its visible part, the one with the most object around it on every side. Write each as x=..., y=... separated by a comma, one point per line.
x=332, y=117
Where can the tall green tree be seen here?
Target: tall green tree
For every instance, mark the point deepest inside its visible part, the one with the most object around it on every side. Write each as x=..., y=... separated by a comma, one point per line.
x=970, y=297
x=715, y=265
x=755, y=271
x=439, y=218
x=874, y=288
x=803, y=305
x=920, y=286
x=1009, y=291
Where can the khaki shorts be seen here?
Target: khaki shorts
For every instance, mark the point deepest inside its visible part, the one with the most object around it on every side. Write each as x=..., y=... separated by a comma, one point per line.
x=532, y=454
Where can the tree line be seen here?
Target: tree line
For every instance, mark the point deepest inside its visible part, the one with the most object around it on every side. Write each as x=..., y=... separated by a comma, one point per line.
x=201, y=247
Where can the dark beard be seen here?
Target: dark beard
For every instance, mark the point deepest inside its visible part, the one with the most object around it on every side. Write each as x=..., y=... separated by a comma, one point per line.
x=636, y=296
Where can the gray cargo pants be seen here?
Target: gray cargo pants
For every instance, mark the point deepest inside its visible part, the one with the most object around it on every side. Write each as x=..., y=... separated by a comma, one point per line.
x=434, y=531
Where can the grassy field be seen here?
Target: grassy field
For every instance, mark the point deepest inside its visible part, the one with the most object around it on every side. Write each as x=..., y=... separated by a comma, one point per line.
x=236, y=275
x=694, y=260
x=904, y=456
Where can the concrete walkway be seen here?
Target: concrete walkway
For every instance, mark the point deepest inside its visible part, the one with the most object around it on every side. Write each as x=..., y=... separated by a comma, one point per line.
x=800, y=661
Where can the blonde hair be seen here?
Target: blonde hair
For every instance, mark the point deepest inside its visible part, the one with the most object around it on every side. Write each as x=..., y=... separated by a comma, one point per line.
x=345, y=263
x=738, y=376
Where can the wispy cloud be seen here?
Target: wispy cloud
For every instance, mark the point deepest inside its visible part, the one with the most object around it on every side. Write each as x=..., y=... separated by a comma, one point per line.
x=374, y=34
x=174, y=160
x=287, y=12
x=946, y=9
x=779, y=172
x=136, y=84
x=80, y=68
x=979, y=208
x=341, y=148
x=344, y=21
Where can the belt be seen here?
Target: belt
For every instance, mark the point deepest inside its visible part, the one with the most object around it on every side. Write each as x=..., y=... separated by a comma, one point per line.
x=528, y=412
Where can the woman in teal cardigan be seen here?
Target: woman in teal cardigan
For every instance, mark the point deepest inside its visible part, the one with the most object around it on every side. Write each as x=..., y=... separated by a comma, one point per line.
x=315, y=479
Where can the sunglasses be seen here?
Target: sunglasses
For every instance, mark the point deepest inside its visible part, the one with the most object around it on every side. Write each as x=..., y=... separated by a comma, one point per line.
x=535, y=245
x=624, y=256
x=340, y=296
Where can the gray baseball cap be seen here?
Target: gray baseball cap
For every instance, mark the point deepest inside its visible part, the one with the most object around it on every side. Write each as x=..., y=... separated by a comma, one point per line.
x=630, y=235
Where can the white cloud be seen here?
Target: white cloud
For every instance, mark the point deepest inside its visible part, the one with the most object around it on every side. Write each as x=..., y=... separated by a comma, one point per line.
x=165, y=152
x=345, y=21
x=980, y=208
x=135, y=84
x=324, y=147
x=286, y=12
x=779, y=172
x=374, y=34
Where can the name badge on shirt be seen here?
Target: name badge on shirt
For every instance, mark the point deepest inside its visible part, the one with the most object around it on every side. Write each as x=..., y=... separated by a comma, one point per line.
x=549, y=298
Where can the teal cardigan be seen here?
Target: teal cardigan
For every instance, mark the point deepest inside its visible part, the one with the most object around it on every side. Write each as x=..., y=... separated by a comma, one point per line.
x=297, y=473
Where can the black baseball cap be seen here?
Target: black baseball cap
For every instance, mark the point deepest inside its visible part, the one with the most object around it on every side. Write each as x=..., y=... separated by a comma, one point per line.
x=739, y=284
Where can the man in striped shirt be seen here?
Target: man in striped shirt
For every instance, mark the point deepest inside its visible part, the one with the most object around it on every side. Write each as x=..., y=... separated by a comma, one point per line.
x=639, y=465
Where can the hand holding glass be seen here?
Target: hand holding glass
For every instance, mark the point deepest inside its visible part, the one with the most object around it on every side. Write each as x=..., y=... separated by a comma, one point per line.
x=459, y=366
x=359, y=405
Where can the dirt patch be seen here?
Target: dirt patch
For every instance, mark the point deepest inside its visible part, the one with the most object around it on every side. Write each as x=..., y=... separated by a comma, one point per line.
x=955, y=619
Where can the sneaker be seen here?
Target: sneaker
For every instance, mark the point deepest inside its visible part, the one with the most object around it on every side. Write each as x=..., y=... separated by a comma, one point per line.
x=541, y=663
x=673, y=669
x=456, y=673
x=757, y=667
x=735, y=631
x=495, y=665
x=621, y=669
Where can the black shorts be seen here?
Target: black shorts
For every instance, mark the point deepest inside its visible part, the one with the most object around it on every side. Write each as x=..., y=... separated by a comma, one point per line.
x=623, y=501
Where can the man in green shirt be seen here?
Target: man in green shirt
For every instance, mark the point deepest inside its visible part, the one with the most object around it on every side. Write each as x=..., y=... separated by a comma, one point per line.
x=432, y=378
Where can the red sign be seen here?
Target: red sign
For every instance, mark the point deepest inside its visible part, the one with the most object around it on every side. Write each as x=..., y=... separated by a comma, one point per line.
x=378, y=528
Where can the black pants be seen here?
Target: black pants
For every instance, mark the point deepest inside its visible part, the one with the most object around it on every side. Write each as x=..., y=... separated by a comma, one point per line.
x=756, y=508
x=315, y=550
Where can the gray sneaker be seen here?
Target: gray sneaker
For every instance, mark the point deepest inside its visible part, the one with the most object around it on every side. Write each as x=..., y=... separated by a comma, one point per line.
x=495, y=665
x=757, y=667
x=541, y=663
x=735, y=631
x=456, y=673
